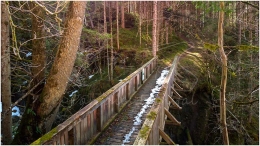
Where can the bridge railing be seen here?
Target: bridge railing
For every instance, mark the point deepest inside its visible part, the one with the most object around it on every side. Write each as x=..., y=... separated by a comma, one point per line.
x=85, y=125
x=155, y=119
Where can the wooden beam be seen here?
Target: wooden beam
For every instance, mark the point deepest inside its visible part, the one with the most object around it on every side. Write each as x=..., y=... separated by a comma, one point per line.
x=176, y=93
x=166, y=137
x=171, y=117
x=178, y=86
x=168, y=122
x=179, y=75
x=174, y=103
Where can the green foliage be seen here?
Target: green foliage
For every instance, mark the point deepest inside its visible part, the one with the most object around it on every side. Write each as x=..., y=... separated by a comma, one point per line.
x=248, y=47
x=211, y=6
x=211, y=47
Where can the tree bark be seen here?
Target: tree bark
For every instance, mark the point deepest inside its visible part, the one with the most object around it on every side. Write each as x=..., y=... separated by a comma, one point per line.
x=6, y=122
x=223, y=76
x=154, y=28
x=140, y=24
x=122, y=14
x=117, y=25
x=111, y=41
x=38, y=47
x=106, y=41
x=37, y=118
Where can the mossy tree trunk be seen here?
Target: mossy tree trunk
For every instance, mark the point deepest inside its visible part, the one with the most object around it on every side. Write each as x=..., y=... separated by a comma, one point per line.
x=223, y=76
x=36, y=119
x=6, y=121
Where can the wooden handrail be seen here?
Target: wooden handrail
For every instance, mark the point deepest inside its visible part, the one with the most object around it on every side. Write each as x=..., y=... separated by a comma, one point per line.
x=87, y=123
x=152, y=127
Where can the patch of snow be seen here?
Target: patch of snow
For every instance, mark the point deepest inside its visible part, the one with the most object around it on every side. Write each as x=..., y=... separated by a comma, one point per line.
x=127, y=136
x=89, y=77
x=120, y=80
x=0, y=107
x=29, y=54
x=24, y=82
x=148, y=102
x=16, y=111
x=73, y=93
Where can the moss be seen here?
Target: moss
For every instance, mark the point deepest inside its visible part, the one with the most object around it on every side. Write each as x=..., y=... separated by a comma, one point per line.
x=144, y=131
x=210, y=47
x=151, y=115
x=158, y=100
x=45, y=137
x=101, y=97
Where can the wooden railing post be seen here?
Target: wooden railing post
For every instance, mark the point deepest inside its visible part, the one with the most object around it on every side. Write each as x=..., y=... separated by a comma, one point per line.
x=99, y=118
x=116, y=102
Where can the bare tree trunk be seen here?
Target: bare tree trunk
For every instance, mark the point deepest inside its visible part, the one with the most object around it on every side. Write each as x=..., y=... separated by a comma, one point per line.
x=117, y=25
x=154, y=27
x=122, y=14
x=140, y=23
x=106, y=41
x=111, y=32
x=223, y=76
x=48, y=102
x=6, y=122
x=158, y=24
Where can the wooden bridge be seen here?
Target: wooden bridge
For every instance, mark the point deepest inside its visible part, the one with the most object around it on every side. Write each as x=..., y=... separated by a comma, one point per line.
x=98, y=123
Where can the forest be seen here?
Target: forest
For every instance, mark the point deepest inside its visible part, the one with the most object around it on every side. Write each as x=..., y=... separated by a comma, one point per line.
x=58, y=56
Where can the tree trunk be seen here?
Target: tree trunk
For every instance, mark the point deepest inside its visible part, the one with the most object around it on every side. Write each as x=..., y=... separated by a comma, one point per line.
x=38, y=48
x=106, y=41
x=140, y=23
x=5, y=77
x=154, y=27
x=223, y=76
x=111, y=32
x=44, y=107
x=122, y=15
x=117, y=25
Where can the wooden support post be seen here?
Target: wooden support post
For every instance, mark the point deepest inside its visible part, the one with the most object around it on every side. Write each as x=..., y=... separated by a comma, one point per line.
x=116, y=102
x=179, y=75
x=171, y=117
x=175, y=105
x=166, y=137
x=176, y=93
x=100, y=118
x=178, y=86
x=127, y=91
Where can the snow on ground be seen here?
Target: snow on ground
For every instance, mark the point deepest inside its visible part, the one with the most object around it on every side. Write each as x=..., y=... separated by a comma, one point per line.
x=89, y=77
x=148, y=102
x=16, y=111
x=73, y=93
x=29, y=54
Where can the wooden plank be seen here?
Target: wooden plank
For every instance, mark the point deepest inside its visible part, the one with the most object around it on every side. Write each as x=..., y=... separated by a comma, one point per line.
x=66, y=137
x=62, y=138
x=178, y=86
x=174, y=103
x=171, y=117
x=89, y=126
x=77, y=132
x=168, y=122
x=100, y=117
x=85, y=129
x=116, y=102
x=175, y=92
x=166, y=137
x=82, y=134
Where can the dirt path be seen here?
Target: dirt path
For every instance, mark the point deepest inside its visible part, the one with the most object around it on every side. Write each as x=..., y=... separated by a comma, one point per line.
x=124, y=123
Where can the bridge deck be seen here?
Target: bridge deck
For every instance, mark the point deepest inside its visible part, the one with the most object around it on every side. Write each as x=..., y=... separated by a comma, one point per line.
x=124, y=123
